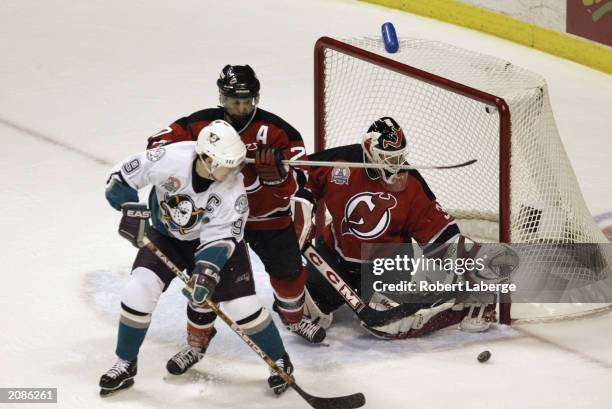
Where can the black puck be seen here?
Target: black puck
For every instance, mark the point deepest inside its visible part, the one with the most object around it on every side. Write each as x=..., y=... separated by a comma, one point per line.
x=484, y=356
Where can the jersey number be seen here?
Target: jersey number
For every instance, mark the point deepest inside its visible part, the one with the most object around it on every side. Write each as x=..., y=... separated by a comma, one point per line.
x=237, y=227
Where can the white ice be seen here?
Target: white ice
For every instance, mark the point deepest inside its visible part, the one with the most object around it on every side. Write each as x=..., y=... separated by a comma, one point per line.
x=82, y=84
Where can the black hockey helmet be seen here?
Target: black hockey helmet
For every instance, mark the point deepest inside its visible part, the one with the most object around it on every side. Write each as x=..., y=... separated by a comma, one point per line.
x=238, y=81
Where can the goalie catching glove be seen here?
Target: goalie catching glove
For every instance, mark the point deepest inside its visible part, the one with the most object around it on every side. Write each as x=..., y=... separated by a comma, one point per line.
x=202, y=284
x=499, y=260
x=134, y=224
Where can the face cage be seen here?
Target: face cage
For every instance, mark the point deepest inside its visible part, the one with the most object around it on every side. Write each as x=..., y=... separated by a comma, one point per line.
x=391, y=159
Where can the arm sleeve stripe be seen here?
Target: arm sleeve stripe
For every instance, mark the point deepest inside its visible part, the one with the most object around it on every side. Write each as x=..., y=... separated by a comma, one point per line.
x=216, y=254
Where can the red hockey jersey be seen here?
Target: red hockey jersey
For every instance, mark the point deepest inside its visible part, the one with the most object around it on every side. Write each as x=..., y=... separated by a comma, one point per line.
x=364, y=211
x=269, y=205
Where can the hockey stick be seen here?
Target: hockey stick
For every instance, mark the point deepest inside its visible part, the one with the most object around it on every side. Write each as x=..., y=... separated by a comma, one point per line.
x=355, y=400
x=369, y=316
x=367, y=165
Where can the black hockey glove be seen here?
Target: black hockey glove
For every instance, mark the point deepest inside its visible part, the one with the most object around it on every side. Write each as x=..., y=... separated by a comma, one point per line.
x=202, y=284
x=134, y=224
x=269, y=166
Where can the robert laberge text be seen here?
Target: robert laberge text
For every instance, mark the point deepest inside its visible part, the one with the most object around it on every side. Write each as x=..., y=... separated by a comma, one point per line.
x=424, y=286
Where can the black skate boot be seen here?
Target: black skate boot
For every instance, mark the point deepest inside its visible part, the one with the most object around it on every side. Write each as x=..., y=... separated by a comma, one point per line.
x=120, y=376
x=305, y=328
x=308, y=330
x=185, y=359
x=198, y=340
x=276, y=383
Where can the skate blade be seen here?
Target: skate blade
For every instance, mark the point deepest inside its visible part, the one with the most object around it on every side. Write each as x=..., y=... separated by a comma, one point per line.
x=280, y=389
x=126, y=384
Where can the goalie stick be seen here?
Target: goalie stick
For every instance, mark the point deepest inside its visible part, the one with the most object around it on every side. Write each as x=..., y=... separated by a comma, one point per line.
x=366, y=165
x=369, y=316
x=355, y=400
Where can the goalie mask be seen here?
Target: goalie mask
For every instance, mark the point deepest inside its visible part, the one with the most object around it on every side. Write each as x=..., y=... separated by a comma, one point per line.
x=238, y=93
x=220, y=149
x=385, y=144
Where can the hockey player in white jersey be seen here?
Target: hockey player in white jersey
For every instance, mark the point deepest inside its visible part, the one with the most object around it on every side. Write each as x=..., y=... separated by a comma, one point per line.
x=198, y=208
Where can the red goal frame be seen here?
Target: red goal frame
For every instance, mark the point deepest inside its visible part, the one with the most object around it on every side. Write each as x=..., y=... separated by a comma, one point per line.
x=505, y=129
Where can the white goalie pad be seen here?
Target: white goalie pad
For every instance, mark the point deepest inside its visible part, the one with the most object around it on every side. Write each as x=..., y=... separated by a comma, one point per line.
x=396, y=329
x=312, y=311
x=301, y=210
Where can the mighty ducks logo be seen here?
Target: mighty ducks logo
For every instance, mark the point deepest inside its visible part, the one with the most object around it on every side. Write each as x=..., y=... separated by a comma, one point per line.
x=180, y=213
x=367, y=215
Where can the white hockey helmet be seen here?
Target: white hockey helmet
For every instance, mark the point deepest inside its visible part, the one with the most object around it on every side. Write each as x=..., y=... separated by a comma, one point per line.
x=385, y=144
x=220, y=149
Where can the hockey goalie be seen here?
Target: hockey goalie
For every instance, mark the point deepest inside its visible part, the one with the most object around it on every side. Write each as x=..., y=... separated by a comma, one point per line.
x=388, y=205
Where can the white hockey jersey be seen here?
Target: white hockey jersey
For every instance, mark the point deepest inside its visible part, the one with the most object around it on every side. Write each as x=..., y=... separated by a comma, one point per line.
x=182, y=205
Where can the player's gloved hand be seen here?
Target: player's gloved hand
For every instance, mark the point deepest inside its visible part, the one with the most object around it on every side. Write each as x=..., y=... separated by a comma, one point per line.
x=134, y=224
x=269, y=167
x=202, y=284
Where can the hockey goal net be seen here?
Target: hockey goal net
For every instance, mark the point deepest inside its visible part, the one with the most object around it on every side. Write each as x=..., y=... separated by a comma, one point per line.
x=455, y=105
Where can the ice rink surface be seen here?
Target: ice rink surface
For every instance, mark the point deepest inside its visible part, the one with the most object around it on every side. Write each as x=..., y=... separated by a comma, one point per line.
x=82, y=84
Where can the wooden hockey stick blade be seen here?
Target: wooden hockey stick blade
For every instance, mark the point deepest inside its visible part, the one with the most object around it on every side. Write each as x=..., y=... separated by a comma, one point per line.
x=367, y=314
x=368, y=165
x=355, y=400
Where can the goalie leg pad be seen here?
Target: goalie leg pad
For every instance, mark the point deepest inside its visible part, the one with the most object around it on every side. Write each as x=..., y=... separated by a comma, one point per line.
x=426, y=320
x=314, y=313
x=478, y=318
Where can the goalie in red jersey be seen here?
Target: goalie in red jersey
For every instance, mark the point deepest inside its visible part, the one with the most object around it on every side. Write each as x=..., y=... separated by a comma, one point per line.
x=387, y=205
x=269, y=185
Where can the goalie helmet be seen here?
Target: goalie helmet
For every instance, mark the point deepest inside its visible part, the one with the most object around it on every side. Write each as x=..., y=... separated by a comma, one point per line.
x=220, y=149
x=238, y=94
x=385, y=144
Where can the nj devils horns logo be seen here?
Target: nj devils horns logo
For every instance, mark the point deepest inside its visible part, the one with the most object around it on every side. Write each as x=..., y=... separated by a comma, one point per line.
x=367, y=215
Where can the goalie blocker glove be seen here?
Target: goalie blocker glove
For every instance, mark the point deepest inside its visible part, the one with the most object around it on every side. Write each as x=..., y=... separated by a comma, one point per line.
x=269, y=166
x=134, y=224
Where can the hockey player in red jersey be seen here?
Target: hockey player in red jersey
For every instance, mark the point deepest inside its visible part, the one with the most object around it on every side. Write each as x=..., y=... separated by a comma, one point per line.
x=382, y=206
x=270, y=186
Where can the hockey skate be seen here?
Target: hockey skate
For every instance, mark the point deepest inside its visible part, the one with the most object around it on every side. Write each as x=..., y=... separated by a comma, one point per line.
x=275, y=381
x=120, y=376
x=307, y=329
x=184, y=359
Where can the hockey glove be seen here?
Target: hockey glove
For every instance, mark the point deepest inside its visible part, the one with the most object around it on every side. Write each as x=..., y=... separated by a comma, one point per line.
x=202, y=284
x=134, y=224
x=269, y=166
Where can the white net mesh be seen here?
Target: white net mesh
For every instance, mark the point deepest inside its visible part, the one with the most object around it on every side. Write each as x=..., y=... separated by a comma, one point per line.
x=444, y=127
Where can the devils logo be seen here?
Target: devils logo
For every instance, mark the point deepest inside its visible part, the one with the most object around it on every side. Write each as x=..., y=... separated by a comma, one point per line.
x=180, y=212
x=367, y=215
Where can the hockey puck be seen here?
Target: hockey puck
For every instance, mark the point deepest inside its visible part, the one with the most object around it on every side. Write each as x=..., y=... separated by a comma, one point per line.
x=484, y=356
